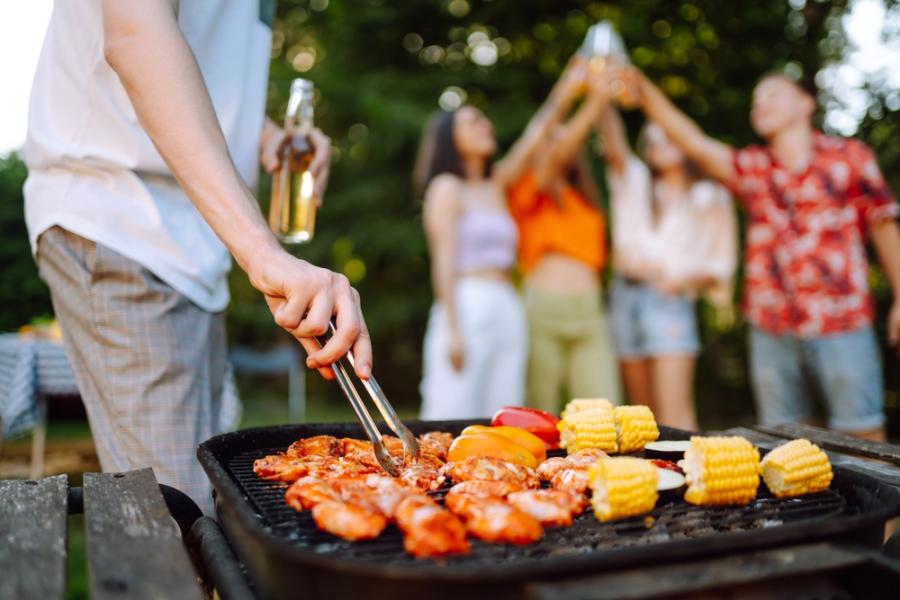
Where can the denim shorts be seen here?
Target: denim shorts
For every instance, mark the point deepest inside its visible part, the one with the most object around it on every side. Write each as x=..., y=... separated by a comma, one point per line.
x=845, y=368
x=646, y=322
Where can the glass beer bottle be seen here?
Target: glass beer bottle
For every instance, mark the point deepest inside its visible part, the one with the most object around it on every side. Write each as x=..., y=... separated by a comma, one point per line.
x=292, y=211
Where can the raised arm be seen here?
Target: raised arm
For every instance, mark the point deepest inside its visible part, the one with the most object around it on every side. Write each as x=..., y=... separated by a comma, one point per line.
x=613, y=140
x=886, y=239
x=144, y=46
x=442, y=210
x=713, y=156
x=563, y=150
x=564, y=93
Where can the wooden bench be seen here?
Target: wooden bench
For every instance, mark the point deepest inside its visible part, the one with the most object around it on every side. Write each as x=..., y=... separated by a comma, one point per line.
x=134, y=545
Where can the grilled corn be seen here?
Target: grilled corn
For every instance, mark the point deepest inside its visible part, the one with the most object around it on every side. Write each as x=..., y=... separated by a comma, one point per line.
x=635, y=427
x=796, y=468
x=721, y=470
x=581, y=404
x=594, y=428
x=622, y=487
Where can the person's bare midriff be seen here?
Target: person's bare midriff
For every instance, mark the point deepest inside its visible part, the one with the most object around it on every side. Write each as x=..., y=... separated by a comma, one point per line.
x=562, y=274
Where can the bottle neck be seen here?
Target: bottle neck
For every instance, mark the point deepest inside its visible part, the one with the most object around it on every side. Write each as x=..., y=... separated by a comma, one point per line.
x=299, y=116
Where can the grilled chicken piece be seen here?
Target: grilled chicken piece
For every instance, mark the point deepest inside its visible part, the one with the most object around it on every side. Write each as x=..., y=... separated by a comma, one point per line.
x=350, y=445
x=550, y=507
x=484, y=489
x=436, y=442
x=581, y=459
x=571, y=480
x=423, y=477
x=386, y=493
x=309, y=491
x=280, y=467
x=320, y=445
x=488, y=468
x=585, y=458
x=428, y=529
x=550, y=467
x=348, y=521
x=495, y=521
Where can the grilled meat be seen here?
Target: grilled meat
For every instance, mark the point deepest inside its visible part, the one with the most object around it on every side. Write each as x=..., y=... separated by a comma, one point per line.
x=495, y=521
x=320, y=445
x=550, y=507
x=487, y=468
x=428, y=529
x=348, y=521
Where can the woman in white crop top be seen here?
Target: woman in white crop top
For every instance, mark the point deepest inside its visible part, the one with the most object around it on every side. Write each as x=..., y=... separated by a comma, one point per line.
x=674, y=239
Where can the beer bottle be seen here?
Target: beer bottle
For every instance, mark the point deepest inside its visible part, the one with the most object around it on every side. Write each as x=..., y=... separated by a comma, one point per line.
x=292, y=211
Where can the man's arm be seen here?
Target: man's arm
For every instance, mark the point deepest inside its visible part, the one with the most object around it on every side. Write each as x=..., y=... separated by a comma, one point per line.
x=886, y=239
x=144, y=46
x=710, y=154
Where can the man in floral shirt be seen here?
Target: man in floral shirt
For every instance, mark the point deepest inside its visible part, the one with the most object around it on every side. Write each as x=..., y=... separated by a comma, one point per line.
x=810, y=200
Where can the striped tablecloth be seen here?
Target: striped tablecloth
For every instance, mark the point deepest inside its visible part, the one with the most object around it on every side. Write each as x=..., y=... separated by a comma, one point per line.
x=31, y=366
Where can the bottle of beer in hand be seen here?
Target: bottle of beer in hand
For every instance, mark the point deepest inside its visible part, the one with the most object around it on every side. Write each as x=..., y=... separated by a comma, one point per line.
x=292, y=211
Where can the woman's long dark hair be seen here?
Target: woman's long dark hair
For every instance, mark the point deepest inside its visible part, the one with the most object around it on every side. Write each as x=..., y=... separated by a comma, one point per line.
x=437, y=152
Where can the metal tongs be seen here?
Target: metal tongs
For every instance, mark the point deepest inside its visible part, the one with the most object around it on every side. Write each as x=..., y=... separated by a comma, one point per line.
x=344, y=372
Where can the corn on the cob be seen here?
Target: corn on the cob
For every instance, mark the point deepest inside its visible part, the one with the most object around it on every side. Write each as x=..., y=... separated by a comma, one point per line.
x=796, y=468
x=588, y=429
x=581, y=404
x=635, y=427
x=622, y=487
x=721, y=470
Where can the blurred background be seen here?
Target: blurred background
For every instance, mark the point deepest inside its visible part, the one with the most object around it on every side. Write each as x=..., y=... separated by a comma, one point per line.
x=382, y=67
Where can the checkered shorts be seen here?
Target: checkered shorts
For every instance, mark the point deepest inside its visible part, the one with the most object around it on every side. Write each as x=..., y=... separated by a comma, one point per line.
x=150, y=364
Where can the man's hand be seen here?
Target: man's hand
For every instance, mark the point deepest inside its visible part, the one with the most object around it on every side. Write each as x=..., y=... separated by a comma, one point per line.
x=274, y=139
x=893, y=325
x=303, y=298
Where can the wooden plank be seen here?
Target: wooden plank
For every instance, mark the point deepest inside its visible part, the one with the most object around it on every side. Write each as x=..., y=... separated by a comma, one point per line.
x=33, y=526
x=835, y=440
x=133, y=546
x=696, y=576
x=886, y=473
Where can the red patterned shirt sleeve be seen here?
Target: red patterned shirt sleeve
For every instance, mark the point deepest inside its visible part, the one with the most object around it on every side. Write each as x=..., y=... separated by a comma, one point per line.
x=867, y=188
x=751, y=167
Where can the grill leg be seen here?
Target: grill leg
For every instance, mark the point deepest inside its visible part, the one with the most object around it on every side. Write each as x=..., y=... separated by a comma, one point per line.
x=219, y=562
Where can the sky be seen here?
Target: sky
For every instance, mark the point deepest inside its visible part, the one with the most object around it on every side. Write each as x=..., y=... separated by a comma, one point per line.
x=873, y=55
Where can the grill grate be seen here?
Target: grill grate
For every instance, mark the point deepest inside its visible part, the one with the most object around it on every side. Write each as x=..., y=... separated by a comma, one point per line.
x=672, y=521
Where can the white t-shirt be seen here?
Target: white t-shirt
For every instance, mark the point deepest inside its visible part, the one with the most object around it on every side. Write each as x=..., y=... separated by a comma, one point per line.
x=694, y=237
x=93, y=169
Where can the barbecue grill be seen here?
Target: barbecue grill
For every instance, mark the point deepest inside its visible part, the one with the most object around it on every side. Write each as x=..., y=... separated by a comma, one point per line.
x=286, y=555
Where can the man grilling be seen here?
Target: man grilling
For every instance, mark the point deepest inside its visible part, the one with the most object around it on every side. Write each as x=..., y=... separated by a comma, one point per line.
x=145, y=125
x=811, y=200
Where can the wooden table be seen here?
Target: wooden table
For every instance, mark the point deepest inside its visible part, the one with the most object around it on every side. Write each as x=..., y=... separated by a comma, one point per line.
x=134, y=545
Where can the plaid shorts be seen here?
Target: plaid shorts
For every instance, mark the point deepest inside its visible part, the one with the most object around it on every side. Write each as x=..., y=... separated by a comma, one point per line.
x=150, y=364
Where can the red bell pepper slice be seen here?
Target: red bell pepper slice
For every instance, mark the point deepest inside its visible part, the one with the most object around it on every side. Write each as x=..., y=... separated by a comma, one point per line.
x=540, y=423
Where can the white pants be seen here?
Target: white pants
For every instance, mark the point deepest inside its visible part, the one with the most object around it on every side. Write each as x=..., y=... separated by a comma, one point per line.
x=495, y=334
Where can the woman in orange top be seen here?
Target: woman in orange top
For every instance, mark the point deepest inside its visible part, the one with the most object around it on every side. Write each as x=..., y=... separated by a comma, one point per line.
x=475, y=346
x=562, y=250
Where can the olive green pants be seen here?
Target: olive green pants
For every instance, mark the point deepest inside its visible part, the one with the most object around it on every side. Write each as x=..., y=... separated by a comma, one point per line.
x=570, y=352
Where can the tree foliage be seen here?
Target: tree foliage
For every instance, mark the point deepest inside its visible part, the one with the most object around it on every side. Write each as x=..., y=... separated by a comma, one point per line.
x=380, y=67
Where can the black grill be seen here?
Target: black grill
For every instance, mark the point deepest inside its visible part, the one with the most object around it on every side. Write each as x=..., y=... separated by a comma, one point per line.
x=675, y=520
x=284, y=551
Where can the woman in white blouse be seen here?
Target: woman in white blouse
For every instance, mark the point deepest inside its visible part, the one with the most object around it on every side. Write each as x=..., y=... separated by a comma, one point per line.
x=674, y=239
